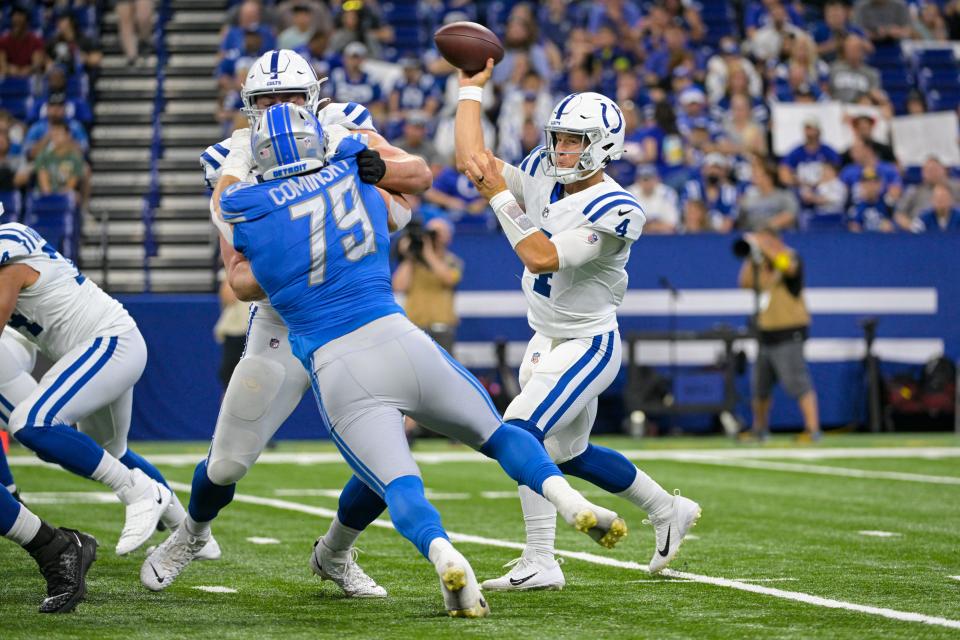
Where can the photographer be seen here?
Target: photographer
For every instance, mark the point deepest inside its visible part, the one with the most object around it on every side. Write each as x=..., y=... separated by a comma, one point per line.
x=428, y=274
x=774, y=269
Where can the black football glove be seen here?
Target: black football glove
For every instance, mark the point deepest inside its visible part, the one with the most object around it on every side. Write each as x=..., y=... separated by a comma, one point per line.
x=370, y=166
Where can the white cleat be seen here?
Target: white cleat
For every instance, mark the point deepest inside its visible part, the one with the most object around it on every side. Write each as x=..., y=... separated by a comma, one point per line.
x=166, y=562
x=461, y=593
x=342, y=569
x=671, y=529
x=528, y=574
x=210, y=551
x=146, y=501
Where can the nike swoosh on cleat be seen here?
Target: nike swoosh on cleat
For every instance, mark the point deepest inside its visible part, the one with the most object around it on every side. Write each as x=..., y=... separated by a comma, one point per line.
x=666, y=547
x=519, y=582
x=159, y=579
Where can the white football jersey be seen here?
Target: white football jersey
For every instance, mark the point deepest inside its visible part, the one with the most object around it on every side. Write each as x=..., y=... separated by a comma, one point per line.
x=338, y=120
x=62, y=309
x=579, y=301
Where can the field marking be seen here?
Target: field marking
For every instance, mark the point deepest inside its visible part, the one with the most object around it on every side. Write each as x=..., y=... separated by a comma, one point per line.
x=681, y=455
x=335, y=493
x=880, y=534
x=70, y=497
x=259, y=540
x=740, y=585
x=954, y=577
x=846, y=472
x=215, y=589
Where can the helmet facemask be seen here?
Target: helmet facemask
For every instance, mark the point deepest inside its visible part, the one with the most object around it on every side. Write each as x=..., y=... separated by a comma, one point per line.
x=591, y=158
x=310, y=92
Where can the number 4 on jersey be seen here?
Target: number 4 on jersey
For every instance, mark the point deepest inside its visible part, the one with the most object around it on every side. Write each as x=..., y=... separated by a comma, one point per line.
x=622, y=227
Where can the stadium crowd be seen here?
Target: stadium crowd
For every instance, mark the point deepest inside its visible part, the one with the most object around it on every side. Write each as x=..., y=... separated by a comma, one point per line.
x=696, y=82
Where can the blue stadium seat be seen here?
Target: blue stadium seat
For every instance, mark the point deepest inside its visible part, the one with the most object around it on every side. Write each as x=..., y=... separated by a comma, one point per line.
x=935, y=58
x=11, y=202
x=53, y=217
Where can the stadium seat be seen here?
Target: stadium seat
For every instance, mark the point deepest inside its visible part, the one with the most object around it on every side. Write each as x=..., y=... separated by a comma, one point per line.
x=11, y=202
x=53, y=218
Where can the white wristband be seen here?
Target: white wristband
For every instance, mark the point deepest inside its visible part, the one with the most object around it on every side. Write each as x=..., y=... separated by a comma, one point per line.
x=471, y=93
x=514, y=222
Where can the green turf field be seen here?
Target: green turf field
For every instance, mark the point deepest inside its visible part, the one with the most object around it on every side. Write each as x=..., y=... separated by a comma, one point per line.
x=779, y=519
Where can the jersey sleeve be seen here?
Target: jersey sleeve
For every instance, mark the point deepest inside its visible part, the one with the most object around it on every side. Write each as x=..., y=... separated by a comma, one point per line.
x=349, y=115
x=240, y=203
x=616, y=213
x=15, y=246
x=212, y=161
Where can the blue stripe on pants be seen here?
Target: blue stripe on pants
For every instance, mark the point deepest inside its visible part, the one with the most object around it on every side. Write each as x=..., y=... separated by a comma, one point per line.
x=62, y=379
x=566, y=379
x=84, y=379
x=590, y=377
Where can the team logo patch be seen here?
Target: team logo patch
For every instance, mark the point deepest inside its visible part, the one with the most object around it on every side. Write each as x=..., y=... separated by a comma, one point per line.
x=535, y=358
x=274, y=343
x=593, y=238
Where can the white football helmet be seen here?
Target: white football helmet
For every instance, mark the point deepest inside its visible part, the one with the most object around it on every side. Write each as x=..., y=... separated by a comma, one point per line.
x=279, y=71
x=288, y=140
x=595, y=117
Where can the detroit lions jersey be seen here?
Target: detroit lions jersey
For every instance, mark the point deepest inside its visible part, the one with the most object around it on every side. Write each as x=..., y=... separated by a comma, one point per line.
x=318, y=245
x=580, y=301
x=62, y=308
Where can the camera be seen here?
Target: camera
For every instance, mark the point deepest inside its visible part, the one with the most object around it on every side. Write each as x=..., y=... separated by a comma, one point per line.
x=417, y=235
x=743, y=249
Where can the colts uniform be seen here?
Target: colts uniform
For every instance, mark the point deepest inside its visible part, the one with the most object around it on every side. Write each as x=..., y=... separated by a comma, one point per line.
x=248, y=419
x=98, y=349
x=575, y=353
x=330, y=281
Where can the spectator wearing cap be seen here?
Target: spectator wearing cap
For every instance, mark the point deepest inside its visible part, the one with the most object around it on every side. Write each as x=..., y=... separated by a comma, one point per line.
x=870, y=212
x=360, y=21
x=693, y=112
x=721, y=66
x=850, y=76
x=803, y=166
x=942, y=214
x=415, y=140
x=658, y=201
x=350, y=83
x=714, y=188
x=301, y=28
x=22, y=51
x=884, y=20
x=38, y=135
x=830, y=33
x=919, y=197
x=863, y=125
x=59, y=167
x=249, y=19
x=453, y=196
x=765, y=205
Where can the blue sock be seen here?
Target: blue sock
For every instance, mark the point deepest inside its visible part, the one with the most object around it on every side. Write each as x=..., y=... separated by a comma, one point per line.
x=133, y=460
x=521, y=455
x=413, y=516
x=608, y=469
x=74, y=451
x=206, y=498
x=6, y=478
x=9, y=511
x=359, y=505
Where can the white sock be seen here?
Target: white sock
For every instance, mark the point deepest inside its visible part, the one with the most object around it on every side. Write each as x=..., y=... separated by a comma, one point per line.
x=174, y=514
x=540, y=518
x=113, y=473
x=196, y=529
x=441, y=552
x=565, y=498
x=648, y=495
x=24, y=528
x=339, y=537
x=12, y=488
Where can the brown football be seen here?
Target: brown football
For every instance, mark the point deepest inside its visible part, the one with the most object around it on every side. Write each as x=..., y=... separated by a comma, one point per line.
x=467, y=45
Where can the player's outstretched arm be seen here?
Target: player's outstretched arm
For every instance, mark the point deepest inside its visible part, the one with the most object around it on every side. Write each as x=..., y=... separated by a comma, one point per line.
x=468, y=132
x=406, y=173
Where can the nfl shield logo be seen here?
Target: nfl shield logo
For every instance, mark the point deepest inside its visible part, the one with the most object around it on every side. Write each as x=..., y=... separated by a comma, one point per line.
x=274, y=343
x=593, y=238
x=535, y=358
x=546, y=212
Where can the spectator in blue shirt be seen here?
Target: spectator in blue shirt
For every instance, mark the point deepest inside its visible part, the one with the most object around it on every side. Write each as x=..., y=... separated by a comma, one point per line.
x=453, y=194
x=864, y=157
x=350, y=83
x=831, y=32
x=942, y=216
x=38, y=135
x=613, y=13
x=803, y=166
x=716, y=191
x=870, y=212
x=318, y=53
x=415, y=91
x=248, y=19
x=252, y=47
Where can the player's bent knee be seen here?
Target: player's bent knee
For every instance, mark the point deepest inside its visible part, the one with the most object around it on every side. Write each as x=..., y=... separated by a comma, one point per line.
x=255, y=383
x=528, y=426
x=226, y=472
x=18, y=420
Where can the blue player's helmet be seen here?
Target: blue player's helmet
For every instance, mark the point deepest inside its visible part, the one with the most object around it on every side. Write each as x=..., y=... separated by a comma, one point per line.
x=288, y=140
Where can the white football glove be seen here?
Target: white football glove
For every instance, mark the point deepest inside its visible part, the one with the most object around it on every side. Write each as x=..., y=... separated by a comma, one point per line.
x=239, y=162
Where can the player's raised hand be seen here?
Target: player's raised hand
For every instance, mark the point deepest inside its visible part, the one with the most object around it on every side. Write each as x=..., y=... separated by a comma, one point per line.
x=483, y=172
x=478, y=79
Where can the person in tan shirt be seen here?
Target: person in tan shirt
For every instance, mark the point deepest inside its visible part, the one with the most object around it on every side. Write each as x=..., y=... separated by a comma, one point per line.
x=782, y=327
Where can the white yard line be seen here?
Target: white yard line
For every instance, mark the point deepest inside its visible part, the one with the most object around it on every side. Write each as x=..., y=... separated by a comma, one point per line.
x=845, y=472
x=215, y=589
x=880, y=534
x=682, y=455
x=259, y=540
x=795, y=596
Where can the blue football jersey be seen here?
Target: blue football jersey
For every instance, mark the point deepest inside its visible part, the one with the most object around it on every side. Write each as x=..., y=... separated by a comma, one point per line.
x=319, y=246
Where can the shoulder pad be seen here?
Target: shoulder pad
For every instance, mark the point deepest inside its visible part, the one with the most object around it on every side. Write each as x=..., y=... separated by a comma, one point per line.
x=350, y=115
x=238, y=203
x=616, y=212
x=17, y=242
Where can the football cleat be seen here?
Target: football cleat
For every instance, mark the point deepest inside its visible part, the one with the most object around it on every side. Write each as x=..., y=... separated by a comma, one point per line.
x=210, y=551
x=168, y=560
x=528, y=574
x=461, y=593
x=146, y=501
x=64, y=562
x=671, y=529
x=603, y=525
x=342, y=569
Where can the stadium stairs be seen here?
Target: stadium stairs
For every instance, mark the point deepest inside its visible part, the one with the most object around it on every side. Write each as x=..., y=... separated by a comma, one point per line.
x=147, y=227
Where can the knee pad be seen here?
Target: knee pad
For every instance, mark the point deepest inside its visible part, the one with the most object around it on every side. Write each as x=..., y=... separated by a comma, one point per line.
x=18, y=419
x=561, y=451
x=226, y=471
x=255, y=383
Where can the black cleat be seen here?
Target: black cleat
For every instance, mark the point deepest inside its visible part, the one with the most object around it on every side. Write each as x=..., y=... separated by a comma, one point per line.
x=64, y=562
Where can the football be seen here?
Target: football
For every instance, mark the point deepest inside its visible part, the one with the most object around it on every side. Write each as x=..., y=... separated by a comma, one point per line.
x=468, y=45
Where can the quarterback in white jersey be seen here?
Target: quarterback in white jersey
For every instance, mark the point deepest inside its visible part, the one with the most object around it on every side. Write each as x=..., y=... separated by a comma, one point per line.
x=572, y=227
x=269, y=382
x=98, y=356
